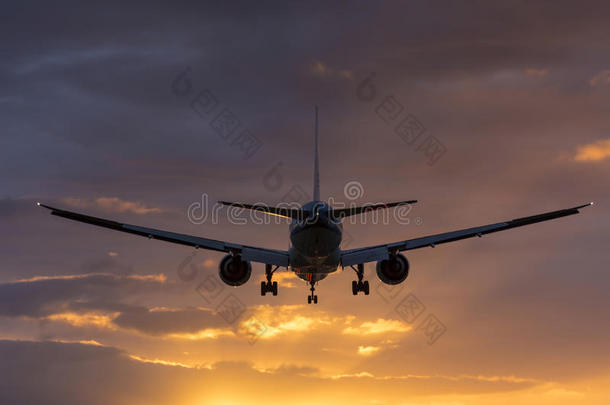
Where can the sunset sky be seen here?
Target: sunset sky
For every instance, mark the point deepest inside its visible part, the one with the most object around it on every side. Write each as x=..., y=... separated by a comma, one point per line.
x=110, y=110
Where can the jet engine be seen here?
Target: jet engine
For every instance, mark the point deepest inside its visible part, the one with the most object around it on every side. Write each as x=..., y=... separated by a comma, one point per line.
x=234, y=271
x=393, y=270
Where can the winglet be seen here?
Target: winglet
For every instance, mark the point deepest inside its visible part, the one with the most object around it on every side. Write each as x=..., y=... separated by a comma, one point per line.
x=584, y=205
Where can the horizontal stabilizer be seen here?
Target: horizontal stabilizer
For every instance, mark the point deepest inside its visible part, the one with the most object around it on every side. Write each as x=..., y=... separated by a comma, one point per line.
x=293, y=213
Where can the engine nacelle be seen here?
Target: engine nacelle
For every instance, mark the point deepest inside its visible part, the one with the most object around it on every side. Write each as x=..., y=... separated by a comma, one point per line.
x=393, y=270
x=234, y=271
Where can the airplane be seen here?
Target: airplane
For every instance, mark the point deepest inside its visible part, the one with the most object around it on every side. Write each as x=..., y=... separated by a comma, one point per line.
x=315, y=235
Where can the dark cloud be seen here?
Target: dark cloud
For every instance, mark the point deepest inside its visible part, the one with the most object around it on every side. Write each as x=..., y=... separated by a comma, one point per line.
x=166, y=321
x=40, y=297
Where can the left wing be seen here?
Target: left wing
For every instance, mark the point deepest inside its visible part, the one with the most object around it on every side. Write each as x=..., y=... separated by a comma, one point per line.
x=382, y=252
x=248, y=253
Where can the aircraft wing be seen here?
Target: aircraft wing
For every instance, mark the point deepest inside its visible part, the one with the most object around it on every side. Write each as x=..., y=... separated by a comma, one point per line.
x=381, y=252
x=249, y=253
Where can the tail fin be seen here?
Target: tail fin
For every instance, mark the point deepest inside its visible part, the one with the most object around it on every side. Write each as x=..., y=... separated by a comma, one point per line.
x=316, y=164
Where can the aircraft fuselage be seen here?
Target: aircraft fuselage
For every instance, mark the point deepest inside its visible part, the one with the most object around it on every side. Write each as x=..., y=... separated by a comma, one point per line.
x=315, y=240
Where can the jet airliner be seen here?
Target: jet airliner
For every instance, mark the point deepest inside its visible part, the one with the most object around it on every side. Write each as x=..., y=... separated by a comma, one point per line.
x=315, y=236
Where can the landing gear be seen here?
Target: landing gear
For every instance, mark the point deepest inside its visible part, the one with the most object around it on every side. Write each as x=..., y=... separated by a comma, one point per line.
x=268, y=286
x=360, y=285
x=312, y=296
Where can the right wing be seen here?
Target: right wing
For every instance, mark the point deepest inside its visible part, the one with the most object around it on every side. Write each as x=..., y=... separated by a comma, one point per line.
x=382, y=252
x=248, y=253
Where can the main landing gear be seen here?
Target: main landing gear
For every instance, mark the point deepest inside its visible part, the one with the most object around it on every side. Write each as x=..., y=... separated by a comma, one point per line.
x=360, y=285
x=312, y=296
x=269, y=286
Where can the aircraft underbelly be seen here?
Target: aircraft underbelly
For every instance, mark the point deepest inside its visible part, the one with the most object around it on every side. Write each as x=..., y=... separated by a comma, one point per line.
x=315, y=253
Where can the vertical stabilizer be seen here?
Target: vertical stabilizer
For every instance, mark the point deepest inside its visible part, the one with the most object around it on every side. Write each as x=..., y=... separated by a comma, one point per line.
x=316, y=164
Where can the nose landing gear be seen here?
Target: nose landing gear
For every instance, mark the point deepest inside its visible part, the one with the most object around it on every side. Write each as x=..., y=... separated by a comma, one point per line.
x=312, y=297
x=360, y=285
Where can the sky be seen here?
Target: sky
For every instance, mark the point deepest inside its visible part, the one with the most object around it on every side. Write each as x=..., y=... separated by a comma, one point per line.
x=149, y=113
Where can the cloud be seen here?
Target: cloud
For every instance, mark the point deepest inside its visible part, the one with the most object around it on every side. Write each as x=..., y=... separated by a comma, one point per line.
x=41, y=296
x=379, y=326
x=600, y=79
x=168, y=363
x=284, y=319
x=85, y=319
x=593, y=152
x=54, y=372
x=284, y=278
x=100, y=301
x=368, y=350
x=112, y=204
x=174, y=323
x=534, y=72
x=320, y=69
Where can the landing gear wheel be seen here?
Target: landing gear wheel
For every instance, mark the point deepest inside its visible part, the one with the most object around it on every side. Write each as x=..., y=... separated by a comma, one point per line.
x=360, y=285
x=269, y=286
x=312, y=297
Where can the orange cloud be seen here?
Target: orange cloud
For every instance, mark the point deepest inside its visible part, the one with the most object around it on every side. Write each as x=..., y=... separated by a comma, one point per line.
x=209, y=333
x=284, y=278
x=168, y=363
x=112, y=204
x=90, y=342
x=593, y=152
x=367, y=350
x=208, y=263
x=379, y=326
x=270, y=321
x=533, y=72
x=104, y=321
